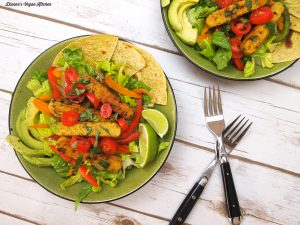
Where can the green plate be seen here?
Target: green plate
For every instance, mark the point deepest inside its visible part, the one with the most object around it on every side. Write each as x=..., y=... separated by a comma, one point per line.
x=49, y=179
x=229, y=72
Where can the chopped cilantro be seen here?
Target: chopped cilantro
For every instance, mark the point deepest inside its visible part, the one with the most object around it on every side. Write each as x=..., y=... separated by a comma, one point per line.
x=87, y=115
x=88, y=129
x=78, y=163
x=104, y=163
x=94, y=150
x=74, y=144
x=105, y=129
x=96, y=139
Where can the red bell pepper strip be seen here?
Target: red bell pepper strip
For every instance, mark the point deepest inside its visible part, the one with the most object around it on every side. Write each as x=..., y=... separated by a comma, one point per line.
x=53, y=83
x=123, y=149
x=135, y=120
x=132, y=137
x=63, y=156
x=123, y=124
x=87, y=176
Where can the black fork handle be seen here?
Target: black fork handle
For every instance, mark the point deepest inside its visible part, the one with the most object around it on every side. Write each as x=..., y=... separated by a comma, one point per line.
x=232, y=202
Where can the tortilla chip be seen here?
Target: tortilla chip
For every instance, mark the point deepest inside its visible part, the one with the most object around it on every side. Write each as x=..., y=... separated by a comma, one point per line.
x=126, y=54
x=94, y=48
x=295, y=23
x=293, y=7
x=288, y=50
x=153, y=76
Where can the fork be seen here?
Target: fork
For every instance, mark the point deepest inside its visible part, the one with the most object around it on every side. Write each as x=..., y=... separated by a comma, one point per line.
x=232, y=135
x=215, y=123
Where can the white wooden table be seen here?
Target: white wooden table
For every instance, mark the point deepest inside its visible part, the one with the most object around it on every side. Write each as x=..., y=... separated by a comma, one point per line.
x=266, y=164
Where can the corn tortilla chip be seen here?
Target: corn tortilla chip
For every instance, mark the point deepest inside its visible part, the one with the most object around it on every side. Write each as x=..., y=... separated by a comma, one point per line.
x=126, y=54
x=94, y=48
x=153, y=75
x=295, y=23
x=288, y=50
x=293, y=7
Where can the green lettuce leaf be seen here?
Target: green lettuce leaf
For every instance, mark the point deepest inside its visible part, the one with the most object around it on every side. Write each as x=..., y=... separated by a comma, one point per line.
x=135, y=84
x=60, y=166
x=207, y=48
x=83, y=193
x=219, y=39
x=249, y=68
x=222, y=58
x=40, y=75
x=163, y=145
x=70, y=181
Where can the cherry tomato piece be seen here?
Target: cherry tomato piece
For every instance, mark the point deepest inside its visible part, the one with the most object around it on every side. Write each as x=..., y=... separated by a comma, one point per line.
x=108, y=145
x=92, y=98
x=239, y=64
x=70, y=118
x=235, y=48
x=239, y=27
x=82, y=145
x=123, y=124
x=261, y=15
x=224, y=3
x=71, y=93
x=106, y=110
x=71, y=75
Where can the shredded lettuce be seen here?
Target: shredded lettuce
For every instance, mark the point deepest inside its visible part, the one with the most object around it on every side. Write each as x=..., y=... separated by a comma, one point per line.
x=262, y=58
x=70, y=181
x=249, y=68
x=61, y=167
x=207, y=48
x=34, y=85
x=45, y=119
x=83, y=193
x=135, y=84
x=38, y=88
x=219, y=39
x=222, y=58
x=127, y=162
x=163, y=145
x=40, y=75
x=130, y=101
x=133, y=147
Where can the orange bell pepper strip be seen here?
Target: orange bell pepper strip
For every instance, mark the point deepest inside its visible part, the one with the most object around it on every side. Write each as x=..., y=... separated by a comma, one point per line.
x=42, y=106
x=45, y=98
x=140, y=91
x=40, y=125
x=118, y=88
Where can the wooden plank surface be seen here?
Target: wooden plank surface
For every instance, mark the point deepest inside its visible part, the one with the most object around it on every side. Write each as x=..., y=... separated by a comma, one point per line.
x=265, y=165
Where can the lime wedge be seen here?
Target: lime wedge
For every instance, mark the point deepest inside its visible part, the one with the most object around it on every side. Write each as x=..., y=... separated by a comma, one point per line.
x=148, y=144
x=157, y=120
x=164, y=3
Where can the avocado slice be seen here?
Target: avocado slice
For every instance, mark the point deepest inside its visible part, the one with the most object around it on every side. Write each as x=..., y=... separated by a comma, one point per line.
x=174, y=17
x=17, y=144
x=178, y=19
x=188, y=34
x=38, y=161
x=23, y=132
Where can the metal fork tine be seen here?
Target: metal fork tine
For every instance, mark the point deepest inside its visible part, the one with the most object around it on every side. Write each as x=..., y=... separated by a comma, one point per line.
x=234, y=128
x=236, y=141
x=215, y=102
x=230, y=125
x=238, y=130
x=205, y=103
x=219, y=102
x=210, y=102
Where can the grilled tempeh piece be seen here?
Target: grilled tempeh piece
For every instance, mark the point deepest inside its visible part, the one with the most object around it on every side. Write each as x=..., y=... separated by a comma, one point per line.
x=106, y=96
x=105, y=129
x=58, y=108
x=232, y=12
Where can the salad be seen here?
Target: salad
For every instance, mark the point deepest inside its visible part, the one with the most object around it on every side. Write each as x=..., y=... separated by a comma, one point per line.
x=245, y=33
x=92, y=116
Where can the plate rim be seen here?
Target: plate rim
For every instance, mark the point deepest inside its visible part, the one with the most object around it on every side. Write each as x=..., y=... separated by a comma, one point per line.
x=212, y=73
x=91, y=202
